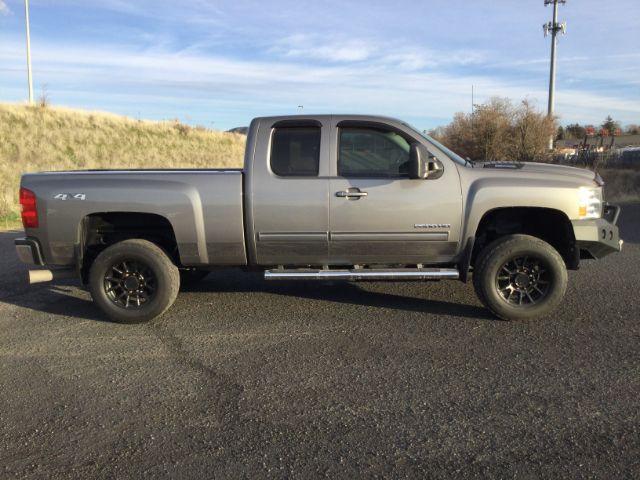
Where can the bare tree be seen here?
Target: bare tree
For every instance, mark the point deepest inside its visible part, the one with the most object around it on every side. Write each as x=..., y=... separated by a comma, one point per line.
x=530, y=131
x=499, y=131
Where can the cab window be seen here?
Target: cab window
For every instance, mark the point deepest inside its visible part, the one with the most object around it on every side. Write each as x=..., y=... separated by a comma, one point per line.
x=372, y=152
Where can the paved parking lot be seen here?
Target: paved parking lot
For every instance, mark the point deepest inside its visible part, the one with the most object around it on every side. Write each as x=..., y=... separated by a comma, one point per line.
x=248, y=379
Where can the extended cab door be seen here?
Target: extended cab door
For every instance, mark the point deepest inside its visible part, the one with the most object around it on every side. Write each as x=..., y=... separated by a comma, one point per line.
x=377, y=213
x=288, y=188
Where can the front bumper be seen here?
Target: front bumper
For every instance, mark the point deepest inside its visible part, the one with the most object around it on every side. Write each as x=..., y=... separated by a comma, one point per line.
x=599, y=237
x=28, y=250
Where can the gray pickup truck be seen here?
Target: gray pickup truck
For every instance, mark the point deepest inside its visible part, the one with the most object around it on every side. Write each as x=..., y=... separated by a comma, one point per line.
x=327, y=197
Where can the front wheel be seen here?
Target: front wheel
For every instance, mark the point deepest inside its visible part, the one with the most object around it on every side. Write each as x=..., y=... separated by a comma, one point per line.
x=520, y=277
x=133, y=281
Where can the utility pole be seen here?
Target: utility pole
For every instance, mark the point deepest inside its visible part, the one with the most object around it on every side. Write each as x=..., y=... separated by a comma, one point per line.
x=553, y=28
x=472, y=100
x=29, y=76
x=473, y=107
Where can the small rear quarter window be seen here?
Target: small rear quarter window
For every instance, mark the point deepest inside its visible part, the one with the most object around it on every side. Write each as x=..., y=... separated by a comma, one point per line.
x=295, y=151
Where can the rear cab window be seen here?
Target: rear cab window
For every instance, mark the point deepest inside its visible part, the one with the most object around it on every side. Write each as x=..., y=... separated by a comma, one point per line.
x=295, y=151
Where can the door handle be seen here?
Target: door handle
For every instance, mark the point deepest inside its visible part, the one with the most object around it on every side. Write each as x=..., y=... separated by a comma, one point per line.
x=347, y=194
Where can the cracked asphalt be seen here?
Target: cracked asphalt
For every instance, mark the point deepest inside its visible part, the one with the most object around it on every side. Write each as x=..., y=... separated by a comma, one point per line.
x=248, y=379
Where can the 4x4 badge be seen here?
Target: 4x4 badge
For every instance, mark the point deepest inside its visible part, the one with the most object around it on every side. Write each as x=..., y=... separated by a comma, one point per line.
x=70, y=196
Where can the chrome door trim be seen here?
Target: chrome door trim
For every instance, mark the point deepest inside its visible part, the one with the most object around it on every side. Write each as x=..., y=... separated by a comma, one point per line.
x=389, y=237
x=289, y=236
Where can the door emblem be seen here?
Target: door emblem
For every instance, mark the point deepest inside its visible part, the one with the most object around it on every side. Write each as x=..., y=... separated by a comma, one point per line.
x=432, y=225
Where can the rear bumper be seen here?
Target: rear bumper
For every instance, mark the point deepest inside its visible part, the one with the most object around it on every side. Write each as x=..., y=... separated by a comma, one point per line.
x=28, y=250
x=599, y=237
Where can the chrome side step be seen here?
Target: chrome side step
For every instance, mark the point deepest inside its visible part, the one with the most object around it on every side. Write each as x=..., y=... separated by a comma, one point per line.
x=403, y=274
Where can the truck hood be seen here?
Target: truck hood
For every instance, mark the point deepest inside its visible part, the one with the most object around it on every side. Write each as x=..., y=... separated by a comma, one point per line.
x=541, y=168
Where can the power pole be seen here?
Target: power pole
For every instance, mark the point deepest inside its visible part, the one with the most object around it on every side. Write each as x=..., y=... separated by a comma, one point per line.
x=29, y=76
x=553, y=28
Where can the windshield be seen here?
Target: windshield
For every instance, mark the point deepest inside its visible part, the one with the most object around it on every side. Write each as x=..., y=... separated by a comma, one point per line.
x=452, y=155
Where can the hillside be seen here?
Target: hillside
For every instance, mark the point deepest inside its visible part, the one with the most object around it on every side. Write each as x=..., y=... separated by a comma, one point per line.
x=35, y=139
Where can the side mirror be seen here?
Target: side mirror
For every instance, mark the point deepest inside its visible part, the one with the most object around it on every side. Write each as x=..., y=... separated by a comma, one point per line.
x=423, y=164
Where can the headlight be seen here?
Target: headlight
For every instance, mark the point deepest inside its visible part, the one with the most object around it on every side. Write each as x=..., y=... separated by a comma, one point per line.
x=590, y=202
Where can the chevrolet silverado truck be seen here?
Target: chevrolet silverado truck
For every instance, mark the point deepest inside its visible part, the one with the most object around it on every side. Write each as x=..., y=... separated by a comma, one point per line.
x=327, y=197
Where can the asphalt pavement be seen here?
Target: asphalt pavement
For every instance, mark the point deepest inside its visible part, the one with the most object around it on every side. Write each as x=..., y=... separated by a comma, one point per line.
x=248, y=379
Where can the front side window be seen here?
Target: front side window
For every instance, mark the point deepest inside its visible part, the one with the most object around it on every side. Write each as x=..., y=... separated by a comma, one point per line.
x=295, y=151
x=370, y=152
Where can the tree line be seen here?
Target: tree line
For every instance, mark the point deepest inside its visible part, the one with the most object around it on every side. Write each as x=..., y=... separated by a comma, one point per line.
x=500, y=130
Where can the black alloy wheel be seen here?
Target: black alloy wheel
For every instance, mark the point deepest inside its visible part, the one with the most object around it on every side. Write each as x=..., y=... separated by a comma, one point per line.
x=523, y=280
x=130, y=284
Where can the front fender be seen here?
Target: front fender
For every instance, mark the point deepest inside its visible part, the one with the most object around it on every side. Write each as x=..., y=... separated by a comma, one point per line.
x=486, y=195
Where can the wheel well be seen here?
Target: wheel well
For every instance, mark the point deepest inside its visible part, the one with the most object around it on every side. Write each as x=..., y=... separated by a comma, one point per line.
x=552, y=226
x=100, y=230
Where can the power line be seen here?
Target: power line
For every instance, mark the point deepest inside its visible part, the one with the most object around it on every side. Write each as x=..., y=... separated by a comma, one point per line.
x=554, y=27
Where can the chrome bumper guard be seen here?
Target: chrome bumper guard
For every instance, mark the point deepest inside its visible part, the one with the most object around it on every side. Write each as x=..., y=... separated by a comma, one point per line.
x=599, y=237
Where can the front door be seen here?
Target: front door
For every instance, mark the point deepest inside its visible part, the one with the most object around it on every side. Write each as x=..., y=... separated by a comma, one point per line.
x=377, y=214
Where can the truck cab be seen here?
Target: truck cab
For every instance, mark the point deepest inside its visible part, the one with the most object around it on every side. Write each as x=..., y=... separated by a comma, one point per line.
x=340, y=190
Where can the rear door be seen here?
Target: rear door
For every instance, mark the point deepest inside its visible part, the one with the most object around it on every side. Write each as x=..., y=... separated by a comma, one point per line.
x=289, y=192
x=377, y=213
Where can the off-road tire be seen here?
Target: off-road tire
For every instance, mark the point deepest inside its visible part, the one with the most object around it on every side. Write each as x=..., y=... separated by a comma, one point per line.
x=142, y=252
x=493, y=258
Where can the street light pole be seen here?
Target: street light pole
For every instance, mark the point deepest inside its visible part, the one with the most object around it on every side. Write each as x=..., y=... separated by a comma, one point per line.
x=29, y=75
x=554, y=28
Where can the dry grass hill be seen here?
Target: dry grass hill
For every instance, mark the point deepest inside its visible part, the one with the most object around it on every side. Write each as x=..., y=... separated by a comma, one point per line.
x=49, y=138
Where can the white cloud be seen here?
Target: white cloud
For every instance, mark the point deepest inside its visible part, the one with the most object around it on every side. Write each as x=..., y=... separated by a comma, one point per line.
x=375, y=52
x=314, y=48
x=4, y=9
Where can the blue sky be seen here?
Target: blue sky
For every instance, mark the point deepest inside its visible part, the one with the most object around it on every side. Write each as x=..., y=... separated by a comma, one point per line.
x=220, y=63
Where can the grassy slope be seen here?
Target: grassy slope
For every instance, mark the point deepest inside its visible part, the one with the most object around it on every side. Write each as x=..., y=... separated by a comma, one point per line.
x=35, y=139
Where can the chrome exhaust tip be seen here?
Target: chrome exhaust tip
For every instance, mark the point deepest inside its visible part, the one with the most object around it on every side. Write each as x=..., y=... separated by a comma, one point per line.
x=44, y=276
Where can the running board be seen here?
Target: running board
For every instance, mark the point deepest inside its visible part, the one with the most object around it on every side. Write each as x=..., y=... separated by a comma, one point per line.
x=402, y=274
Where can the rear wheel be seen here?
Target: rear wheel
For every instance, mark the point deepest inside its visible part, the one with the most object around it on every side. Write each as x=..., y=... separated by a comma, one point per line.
x=133, y=281
x=520, y=277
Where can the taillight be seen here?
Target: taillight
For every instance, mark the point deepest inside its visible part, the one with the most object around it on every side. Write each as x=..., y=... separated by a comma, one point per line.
x=29, y=208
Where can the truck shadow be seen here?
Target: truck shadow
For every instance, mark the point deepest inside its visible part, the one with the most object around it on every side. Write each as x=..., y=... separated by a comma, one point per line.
x=66, y=300
x=237, y=281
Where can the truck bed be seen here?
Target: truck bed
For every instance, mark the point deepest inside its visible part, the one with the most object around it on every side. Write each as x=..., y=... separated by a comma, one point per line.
x=204, y=207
